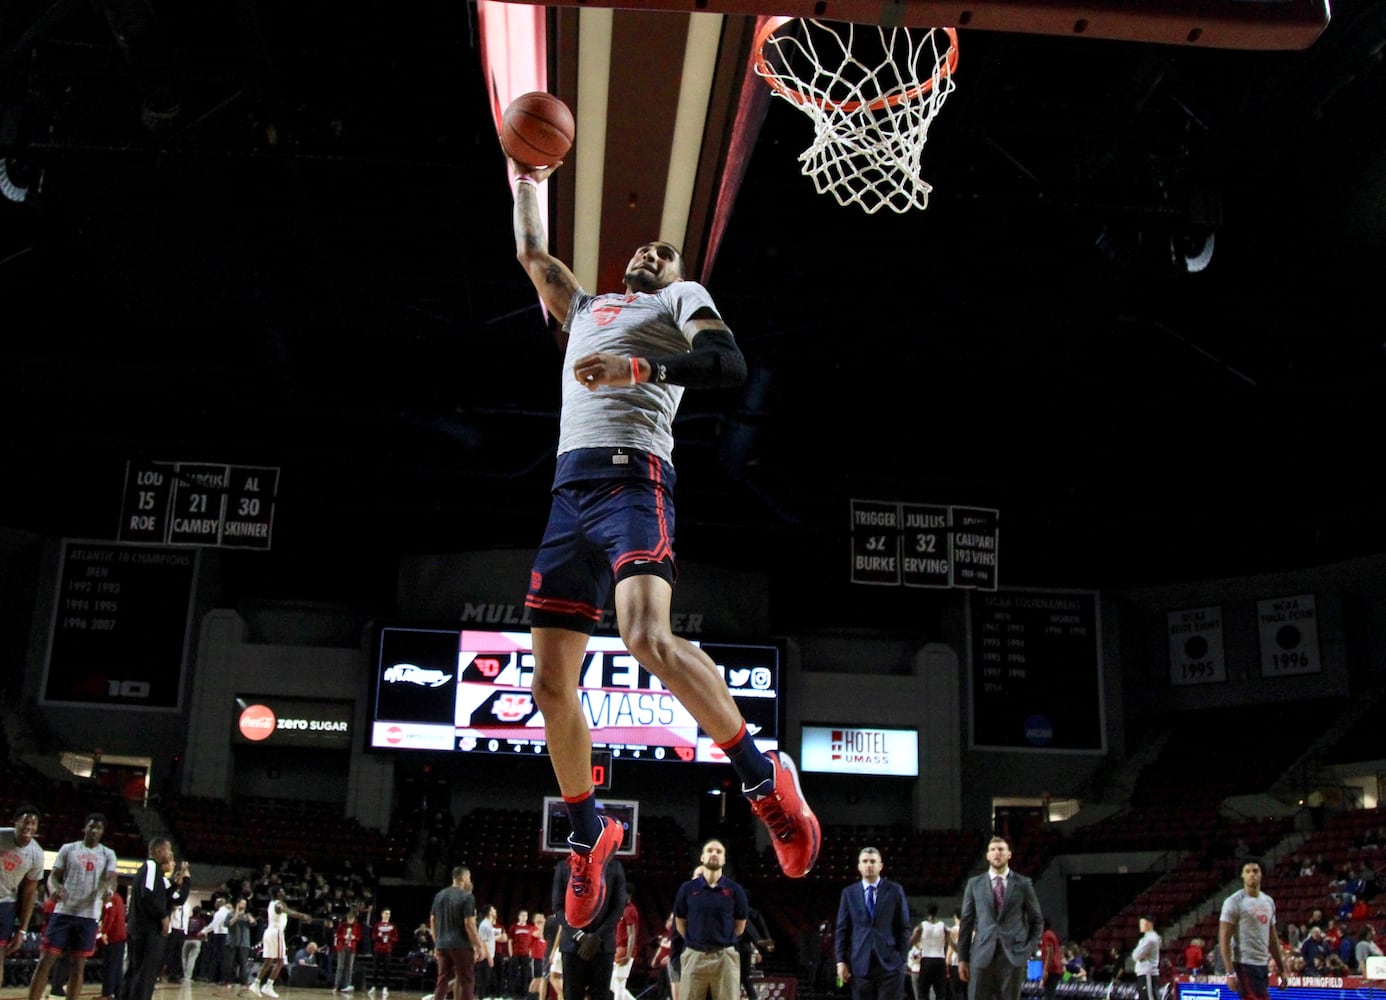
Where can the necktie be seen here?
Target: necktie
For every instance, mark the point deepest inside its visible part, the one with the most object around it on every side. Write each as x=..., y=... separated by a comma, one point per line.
x=997, y=892
x=871, y=900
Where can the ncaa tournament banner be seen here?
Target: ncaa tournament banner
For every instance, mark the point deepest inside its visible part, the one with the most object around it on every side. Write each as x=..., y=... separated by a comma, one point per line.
x=1289, y=629
x=1195, y=647
x=122, y=621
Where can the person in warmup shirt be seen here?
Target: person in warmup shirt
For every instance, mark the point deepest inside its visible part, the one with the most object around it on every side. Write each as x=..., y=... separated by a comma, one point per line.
x=1247, y=938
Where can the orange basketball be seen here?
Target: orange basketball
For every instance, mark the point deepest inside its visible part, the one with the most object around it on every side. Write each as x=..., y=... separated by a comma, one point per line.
x=537, y=129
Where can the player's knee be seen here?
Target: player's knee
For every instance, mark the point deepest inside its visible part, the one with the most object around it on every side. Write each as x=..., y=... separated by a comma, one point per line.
x=652, y=645
x=550, y=695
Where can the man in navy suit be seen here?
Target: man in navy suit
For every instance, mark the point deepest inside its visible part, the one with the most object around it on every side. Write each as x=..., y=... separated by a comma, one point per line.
x=1000, y=929
x=873, y=933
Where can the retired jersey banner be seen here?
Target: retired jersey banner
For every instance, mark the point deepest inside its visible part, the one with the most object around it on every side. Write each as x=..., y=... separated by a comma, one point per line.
x=1289, y=628
x=1195, y=647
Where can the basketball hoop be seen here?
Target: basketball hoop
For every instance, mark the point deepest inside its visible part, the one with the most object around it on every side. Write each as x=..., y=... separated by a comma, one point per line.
x=871, y=92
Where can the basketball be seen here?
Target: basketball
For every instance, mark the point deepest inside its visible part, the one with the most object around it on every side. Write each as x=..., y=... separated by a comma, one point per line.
x=537, y=129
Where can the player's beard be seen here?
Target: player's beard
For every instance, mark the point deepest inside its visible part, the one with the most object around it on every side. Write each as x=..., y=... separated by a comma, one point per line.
x=640, y=280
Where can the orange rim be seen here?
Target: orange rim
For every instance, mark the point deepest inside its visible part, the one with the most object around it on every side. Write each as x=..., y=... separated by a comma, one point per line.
x=762, y=66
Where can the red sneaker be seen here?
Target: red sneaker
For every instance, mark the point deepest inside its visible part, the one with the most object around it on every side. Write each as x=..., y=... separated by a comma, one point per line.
x=586, y=891
x=779, y=802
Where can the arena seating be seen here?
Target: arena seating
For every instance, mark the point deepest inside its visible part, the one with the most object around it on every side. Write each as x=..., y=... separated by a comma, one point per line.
x=249, y=831
x=65, y=806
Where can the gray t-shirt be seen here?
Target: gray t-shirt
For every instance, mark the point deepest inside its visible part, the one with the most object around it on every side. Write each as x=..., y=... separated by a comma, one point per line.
x=17, y=864
x=638, y=324
x=451, y=908
x=86, y=873
x=1147, y=954
x=1252, y=918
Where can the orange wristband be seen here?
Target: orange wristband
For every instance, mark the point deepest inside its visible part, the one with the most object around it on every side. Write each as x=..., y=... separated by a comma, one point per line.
x=634, y=370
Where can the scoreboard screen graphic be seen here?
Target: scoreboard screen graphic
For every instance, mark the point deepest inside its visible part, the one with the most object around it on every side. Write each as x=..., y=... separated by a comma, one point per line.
x=469, y=691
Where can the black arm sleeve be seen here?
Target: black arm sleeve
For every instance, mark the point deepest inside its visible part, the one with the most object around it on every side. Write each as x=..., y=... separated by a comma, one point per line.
x=715, y=362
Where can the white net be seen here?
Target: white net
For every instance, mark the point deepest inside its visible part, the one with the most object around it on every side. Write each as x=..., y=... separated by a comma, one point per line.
x=872, y=93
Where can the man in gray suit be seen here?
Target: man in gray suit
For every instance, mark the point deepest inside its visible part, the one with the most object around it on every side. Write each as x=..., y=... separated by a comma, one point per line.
x=1001, y=928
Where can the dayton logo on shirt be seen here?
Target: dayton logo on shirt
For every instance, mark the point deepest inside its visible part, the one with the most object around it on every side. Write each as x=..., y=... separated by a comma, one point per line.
x=609, y=307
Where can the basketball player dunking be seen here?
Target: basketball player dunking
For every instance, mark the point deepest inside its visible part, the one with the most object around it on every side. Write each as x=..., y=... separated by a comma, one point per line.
x=629, y=358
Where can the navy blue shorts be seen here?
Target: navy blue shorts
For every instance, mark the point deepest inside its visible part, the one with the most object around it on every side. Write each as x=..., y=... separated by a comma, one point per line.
x=601, y=531
x=1253, y=981
x=69, y=934
x=7, y=917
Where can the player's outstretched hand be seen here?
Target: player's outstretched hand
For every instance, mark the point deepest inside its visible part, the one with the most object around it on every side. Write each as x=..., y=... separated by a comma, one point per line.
x=539, y=174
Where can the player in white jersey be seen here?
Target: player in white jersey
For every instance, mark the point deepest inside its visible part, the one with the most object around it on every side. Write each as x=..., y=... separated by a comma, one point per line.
x=21, y=867
x=1247, y=939
x=82, y=879
x=274, y=949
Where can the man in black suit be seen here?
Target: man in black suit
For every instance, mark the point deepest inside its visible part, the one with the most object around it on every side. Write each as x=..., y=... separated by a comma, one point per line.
x=152, y=897
x=873, y=932
x=1001, y=928
x=590, y=952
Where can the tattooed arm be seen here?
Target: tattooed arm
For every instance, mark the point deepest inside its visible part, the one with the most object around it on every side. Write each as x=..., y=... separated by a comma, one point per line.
x=552, y=278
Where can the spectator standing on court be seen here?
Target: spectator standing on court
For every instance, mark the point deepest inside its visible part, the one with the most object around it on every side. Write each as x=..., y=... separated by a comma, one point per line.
x=1051, y=961
x=1146, y=956
x=452, y=924
x=153, y=895
x=112, y=935
x=488, y=985
x=384, y=937
x=195, y=920
x=710, y=913
x=586, y=954
x=538, y=946
x=346, y=939
x=956, y=985
x=629, y=359
x=1247, y=938
x=873, y=932
x=82, y=880
x=627, y=935
x=931, y=937
x=174, y=947
x=1001, y=928
x=215, y=936
x=521, y=969
x=238, y=937
x=21, y=868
